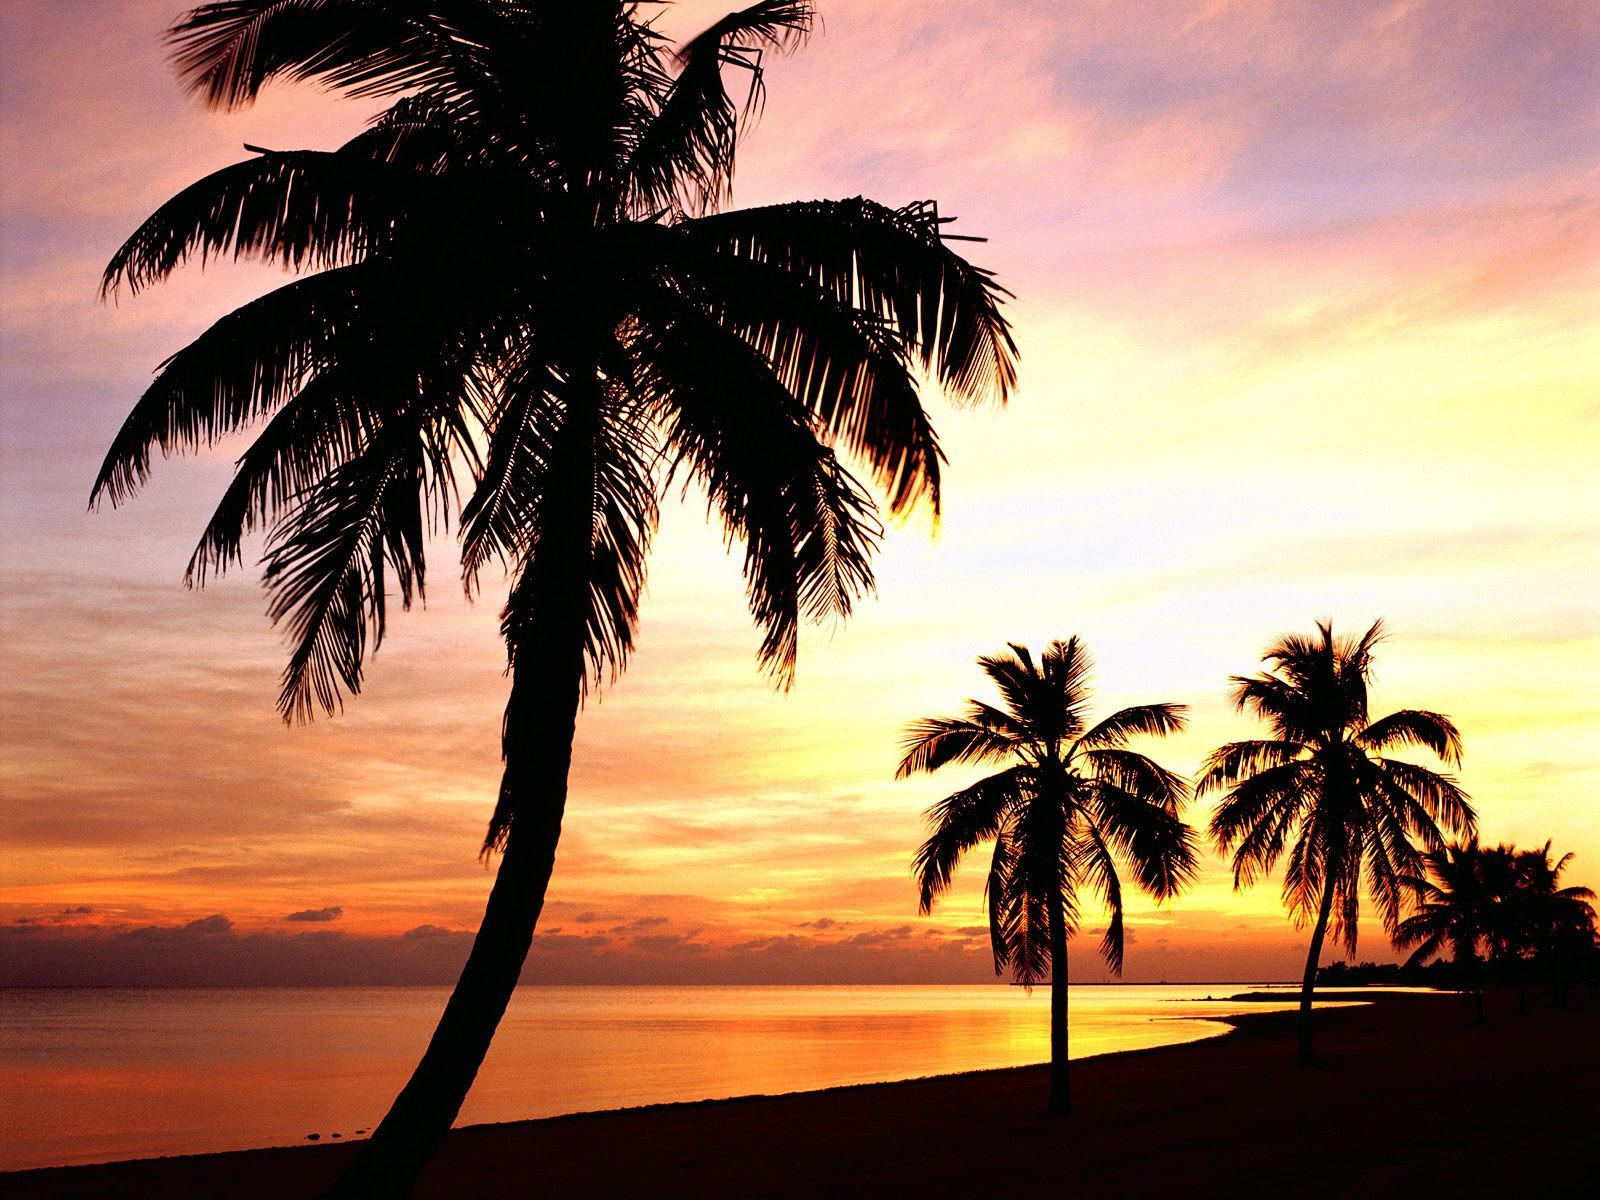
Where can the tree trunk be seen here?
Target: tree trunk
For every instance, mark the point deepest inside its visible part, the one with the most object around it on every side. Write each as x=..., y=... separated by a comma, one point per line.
x=1308, y=985
x=393, y=1158
x=1060, y=1089
x=545, y=626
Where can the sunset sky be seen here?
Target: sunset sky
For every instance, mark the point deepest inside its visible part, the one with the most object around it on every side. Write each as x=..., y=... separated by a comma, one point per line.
x=1308, y=304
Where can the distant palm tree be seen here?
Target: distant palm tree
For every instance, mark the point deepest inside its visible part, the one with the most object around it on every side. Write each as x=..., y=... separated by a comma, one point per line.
x=1552, y=924
x=520, y=274
x=1461, y=902
x=1072, y=801
x=1321, y=789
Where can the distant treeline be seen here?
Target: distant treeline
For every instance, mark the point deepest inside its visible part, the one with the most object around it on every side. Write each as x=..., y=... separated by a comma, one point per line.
x=1580, y=969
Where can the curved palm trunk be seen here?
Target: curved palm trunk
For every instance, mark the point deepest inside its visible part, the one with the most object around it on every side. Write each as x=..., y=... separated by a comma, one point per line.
x=392, y=1160
x=1308, y=1054
x=1060, y=1084
x=547, y=676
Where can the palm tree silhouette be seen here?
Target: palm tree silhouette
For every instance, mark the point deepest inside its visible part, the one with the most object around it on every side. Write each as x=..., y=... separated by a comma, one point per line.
x=1461, y=902
x=1073, y=801
x=1321, y=788
x=522, y=275
x=1550, y=922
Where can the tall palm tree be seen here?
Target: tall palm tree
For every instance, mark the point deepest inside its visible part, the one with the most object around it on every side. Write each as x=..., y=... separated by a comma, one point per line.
x=521, y=278
x=1461, y=903
x=1072, y=801
x=1322, y=789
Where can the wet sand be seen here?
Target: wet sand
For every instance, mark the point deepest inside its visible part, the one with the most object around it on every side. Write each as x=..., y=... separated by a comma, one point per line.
x=1409, y=1099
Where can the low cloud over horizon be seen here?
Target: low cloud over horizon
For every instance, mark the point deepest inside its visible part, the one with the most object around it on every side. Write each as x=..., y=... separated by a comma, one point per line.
x=211, y=952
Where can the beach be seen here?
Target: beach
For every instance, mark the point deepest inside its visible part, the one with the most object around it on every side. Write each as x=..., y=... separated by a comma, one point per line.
x=1409, y=1098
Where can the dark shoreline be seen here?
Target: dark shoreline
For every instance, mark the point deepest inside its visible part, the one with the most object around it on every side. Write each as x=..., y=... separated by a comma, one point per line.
x=1409, y=1099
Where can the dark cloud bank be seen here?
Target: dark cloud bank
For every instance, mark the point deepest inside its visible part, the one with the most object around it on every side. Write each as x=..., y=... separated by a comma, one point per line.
x=212, y=952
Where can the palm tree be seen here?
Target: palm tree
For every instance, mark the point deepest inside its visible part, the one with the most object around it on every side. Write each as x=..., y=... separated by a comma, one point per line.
x=1460, y=903
x=1072, y=800
x=1321, y=788
x=521, y=276
x=1549, y=922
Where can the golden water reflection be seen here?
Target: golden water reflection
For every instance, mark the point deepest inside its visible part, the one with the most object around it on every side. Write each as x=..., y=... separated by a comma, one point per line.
x=93, y=1074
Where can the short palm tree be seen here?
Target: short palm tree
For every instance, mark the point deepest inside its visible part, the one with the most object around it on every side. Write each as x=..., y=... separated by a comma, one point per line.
x=521, y=276
x=1550, y=924
x=1461, y=903
x=1072, y=800
x=1321, y=789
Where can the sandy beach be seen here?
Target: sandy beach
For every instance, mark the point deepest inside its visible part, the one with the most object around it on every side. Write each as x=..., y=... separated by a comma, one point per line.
x=1410, y=1098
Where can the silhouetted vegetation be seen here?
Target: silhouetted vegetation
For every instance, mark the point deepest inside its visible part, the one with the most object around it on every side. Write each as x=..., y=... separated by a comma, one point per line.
x=1321, y=791
x=1071, y=802
x=517, y=285
x=1340, y=974
x=1506, y=918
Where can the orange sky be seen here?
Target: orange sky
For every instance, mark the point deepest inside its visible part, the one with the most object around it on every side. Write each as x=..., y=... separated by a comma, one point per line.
x=1309, y=312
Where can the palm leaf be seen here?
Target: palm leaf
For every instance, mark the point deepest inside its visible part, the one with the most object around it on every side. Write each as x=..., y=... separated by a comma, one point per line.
x=961, y=821
x=807, y=527
x=326, y=568
x=1144, y=825
x=1155, y=720
x=1228, y=765
x=892, y=262
x=686, y=153
x=846, y=365
x=301, y=209
x=1414, y=727
x=239, y=369
x=934, y=742
x=227, y=50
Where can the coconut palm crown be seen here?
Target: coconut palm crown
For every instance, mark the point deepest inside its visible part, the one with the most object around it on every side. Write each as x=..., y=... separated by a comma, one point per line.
x=1070, y=802
x=521, y=309
x=1322, y=790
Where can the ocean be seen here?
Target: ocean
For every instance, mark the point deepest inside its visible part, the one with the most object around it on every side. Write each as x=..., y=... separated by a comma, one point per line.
x=98, y=1074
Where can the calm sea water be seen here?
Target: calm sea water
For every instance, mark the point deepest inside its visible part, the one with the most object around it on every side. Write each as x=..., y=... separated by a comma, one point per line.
x=95, y=1074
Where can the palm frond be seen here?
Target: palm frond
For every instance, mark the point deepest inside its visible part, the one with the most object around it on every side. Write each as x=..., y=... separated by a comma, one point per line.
x=1153, y=720
x=1261, y=813
x=1023, y=919
x=961, y=821
x=1414, y=727
x=1095, y=865
x=807, y=528
x=1307, y=869
x=239, y=369
x=328, y=563
x=1265, y=797
x=1228, y=765
x=1142, y=822
x=583, y=501
x=847, y=365
x=1278, y=703
x=327, y=423
x=300, y=209
x=934, y=742
x=996, y=886
x=894, y=263
x=1137, y=775
x=1442, y=800
x=1049, y=697
x=229, y=49
x=686, y=153
x=501, y=518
